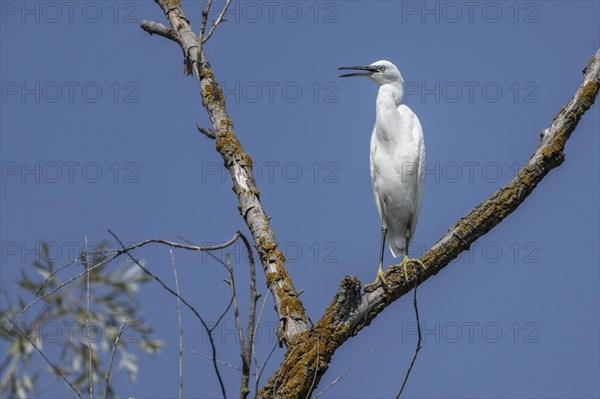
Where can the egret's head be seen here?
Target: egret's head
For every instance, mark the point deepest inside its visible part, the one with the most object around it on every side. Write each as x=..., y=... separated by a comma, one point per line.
x=381, y=72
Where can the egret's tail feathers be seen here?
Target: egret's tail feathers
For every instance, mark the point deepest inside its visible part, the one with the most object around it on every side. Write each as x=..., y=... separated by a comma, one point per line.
x=397, y=243
x=397, y=252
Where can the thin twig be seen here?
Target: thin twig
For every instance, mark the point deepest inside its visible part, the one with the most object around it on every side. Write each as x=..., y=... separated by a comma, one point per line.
x=338, y=378
x=56, y=370
x=156, y=28
x=26, y=308
x=262, y=307
x=238, y=323
x=112, y=356
x=210, y=337
x=245, y=346
x=178, y=245
x=180, y=326
x=207, y=132
x=217, y=22
x=222, y=315
x=418, y=348
x=87, y=320
x=203, y=23
x=256, y=368
x=210, y=358
x=262, y=369
x=54, y=273
x=247, y=351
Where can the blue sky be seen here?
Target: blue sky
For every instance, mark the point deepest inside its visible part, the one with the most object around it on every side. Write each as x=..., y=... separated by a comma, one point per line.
x=100, y=115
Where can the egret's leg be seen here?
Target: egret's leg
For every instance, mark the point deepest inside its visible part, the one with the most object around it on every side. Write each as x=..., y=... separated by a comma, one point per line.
x=380, y=275
x=404, y=265
x=406, y=260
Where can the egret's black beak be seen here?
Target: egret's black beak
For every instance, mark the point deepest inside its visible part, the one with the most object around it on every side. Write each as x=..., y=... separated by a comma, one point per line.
x=369, y=71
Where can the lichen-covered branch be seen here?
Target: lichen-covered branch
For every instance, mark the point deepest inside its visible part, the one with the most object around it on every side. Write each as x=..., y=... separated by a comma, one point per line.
x=292, y=319
x=308, y=355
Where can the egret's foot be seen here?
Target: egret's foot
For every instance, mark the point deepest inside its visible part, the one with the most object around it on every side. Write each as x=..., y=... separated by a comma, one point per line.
x=406, y=261
x=380, y=279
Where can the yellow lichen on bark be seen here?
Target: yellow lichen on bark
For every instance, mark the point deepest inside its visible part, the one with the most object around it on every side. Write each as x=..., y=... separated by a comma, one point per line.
x=172, y=3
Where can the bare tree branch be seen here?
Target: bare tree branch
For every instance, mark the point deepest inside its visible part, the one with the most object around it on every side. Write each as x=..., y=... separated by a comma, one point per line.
x=417, y=349
x=53, y=274
x=231, y=366
x=350, y=311
x=246, y=346
x=156, y=28
x=262, y=369
x=240, y=331
x=59, y=287
x=207, y=132
x=205, y=12
x=180, y=325
x=87, y=322
x=247, y=351
x=216, y=23
x=112, y=357
x=197, y=248
x=292, y=318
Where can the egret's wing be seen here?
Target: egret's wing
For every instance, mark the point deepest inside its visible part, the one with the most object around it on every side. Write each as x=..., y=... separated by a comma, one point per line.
x=375, y=173
x=417, y=133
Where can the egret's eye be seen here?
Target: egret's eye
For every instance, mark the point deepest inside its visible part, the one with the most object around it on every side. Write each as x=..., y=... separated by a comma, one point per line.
x=382, y=68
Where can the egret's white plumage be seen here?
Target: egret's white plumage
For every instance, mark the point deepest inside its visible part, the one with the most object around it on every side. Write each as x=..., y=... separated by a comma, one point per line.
x=397, y=158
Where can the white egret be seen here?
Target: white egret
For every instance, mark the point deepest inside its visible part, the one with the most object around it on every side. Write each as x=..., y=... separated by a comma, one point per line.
x=397, y=161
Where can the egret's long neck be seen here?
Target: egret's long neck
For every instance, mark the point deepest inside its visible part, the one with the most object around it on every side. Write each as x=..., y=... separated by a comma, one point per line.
x=388, y=118
x=393, y=91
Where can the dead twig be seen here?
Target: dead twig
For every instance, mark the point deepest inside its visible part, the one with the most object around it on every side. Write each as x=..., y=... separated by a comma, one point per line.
x=216, y=23
x=112, y=357
x=418, y=348
x=180, y=326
